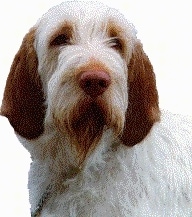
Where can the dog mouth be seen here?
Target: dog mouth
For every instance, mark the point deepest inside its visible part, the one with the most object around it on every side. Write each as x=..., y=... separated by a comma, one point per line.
x=90, y=114
x=87, y=123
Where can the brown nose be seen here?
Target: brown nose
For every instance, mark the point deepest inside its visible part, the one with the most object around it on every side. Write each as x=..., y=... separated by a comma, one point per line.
x=94, y=83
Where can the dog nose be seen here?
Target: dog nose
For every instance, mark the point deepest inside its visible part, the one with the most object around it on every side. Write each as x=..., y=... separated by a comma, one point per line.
x=94, y=83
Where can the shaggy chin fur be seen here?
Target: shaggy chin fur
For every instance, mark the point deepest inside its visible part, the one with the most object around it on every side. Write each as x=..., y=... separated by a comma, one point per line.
x=112, y=154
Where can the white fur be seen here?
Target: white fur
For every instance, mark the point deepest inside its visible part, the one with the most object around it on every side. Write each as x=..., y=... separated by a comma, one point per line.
x=153, y=178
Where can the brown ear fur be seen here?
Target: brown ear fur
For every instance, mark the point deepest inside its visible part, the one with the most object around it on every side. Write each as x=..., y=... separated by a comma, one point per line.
x=143, y=107
x=23, y=97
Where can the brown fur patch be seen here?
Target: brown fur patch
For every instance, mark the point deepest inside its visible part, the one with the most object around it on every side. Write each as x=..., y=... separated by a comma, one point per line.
x=63, y=34
x=88, y=127
x=23, y=97
x=143, y=109
x=116, y=32
x=84, y=125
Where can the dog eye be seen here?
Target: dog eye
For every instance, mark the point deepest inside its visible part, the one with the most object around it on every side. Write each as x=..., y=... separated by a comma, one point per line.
x=60, y=40
x=116, y=44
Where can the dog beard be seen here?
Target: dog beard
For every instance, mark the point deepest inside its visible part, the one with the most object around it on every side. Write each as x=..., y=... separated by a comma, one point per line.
x=88, y=125
x=83, y=123
x=86, y=121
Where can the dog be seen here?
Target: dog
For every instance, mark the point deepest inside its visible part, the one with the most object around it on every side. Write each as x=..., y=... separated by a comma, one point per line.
x=81, y=96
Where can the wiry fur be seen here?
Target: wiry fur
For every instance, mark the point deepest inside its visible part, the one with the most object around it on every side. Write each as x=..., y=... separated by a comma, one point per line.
x=153, y=178
x=111, y=156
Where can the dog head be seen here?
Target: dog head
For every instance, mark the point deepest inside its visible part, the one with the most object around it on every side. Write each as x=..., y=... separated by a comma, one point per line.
x=82, y=70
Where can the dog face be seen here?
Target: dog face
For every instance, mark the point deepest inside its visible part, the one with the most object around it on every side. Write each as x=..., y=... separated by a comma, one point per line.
x=82, y=70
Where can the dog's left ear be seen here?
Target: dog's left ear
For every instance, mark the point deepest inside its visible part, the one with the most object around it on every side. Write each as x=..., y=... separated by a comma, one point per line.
x=143, y=107
x=23, y=100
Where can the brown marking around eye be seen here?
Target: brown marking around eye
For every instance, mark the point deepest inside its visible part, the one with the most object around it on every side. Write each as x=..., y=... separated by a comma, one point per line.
x=115, y=34
x=62, y=36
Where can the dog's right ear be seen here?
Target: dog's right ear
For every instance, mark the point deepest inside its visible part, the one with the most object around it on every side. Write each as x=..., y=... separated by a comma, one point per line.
x=23, y=100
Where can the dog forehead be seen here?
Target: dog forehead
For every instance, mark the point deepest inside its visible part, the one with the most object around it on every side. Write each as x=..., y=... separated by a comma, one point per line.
x=78, y=11
x=80, y=14
x=90, y=21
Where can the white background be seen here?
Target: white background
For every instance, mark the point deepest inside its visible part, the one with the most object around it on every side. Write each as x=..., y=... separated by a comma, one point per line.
x=166, y=32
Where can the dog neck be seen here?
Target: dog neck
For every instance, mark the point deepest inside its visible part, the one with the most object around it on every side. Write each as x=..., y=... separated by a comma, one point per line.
x=54, y=161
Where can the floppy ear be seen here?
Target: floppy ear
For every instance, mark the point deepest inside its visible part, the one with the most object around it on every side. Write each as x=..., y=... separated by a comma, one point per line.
x=23, y=96
x=143, y=107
